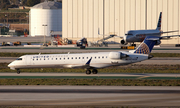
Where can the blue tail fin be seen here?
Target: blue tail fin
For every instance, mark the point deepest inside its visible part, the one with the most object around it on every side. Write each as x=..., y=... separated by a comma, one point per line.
x=147, y=45
x=159, y=22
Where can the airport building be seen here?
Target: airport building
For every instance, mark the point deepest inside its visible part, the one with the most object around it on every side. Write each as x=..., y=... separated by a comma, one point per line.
x=82, y=18
x=45, y=17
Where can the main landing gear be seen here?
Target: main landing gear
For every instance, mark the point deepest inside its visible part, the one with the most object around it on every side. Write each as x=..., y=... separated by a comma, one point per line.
x=18, y=71
x=133, y=45
x=94, y=71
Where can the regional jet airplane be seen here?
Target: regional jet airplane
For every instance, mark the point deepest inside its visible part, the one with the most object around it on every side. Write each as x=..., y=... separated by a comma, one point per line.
x=88, y=61
x=139, y=35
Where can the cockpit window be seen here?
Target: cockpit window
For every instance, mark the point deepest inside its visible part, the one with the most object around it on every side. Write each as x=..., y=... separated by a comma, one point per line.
x=129, y=34
x=19, y=59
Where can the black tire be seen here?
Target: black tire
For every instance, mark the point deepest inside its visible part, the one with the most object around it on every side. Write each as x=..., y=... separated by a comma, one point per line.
x=18, y=71
x=88, y=72
x=133, y=45
x=82, y=47
x=94, y=71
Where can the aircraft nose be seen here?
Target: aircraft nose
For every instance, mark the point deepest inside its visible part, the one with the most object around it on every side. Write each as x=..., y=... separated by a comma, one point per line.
x=10, y=65
x=129, y=38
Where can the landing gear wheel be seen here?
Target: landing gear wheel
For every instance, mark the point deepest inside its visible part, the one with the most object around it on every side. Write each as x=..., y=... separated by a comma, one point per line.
x=18, y=71
x=88, y=72
x=94, y=71
x=133, y=45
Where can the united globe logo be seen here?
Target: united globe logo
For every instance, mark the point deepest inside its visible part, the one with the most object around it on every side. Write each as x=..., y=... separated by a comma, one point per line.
x=143, y=49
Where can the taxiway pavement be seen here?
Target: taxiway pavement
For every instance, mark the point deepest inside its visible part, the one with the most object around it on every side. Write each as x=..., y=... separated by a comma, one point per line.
x=90, y=96
x=112, y=47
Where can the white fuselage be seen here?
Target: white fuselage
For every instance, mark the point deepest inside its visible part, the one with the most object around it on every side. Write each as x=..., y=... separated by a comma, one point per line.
x=140, y=35
x=99, y=60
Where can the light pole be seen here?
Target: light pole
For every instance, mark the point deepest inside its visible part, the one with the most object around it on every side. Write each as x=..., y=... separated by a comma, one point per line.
x=27, y=16
x=5, y=19
x=44, y=32
x=4, y=22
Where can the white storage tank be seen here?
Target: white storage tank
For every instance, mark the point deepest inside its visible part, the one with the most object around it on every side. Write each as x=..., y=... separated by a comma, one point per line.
x=45, y=17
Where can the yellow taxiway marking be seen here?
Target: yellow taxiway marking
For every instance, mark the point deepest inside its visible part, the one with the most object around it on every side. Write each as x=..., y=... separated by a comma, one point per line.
x=143, y=77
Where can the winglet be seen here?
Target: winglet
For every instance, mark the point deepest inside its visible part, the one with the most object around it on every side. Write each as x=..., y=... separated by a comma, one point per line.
x=89, y=61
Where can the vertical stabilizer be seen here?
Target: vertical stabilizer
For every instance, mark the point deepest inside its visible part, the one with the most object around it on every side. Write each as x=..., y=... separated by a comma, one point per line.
x=159, y=22
x=147, y=45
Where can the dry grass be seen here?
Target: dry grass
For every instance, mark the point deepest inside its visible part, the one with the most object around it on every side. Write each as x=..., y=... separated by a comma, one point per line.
x=88, y=82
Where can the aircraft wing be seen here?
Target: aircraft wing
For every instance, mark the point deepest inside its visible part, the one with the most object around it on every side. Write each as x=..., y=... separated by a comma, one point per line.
x=170, y=31
x=160, y=32
x=112, y=35
x=120, y=36
x=166, y=37
x=85, y=66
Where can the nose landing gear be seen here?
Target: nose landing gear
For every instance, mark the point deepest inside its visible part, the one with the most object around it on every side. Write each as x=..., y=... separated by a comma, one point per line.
x=18, y=71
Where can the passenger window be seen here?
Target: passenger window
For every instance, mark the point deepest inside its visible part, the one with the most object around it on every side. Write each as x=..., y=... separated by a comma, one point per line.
x=44, y=59
x=64, y=58
x=76, y=57
x=102, y=56
x=56, y=58
x=79, y=57
x=87, y=57
x=59, y=58
x=83, y=58
x=72, y=58
x=95, y=57
x=99, y=57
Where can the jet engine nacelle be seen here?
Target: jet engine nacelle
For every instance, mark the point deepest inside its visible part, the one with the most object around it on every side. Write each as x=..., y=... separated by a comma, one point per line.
x=124, y=42
x=117, y=55
x=158, y=42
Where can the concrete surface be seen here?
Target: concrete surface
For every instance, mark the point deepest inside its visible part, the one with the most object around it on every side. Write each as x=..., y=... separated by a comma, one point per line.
x=88, y=96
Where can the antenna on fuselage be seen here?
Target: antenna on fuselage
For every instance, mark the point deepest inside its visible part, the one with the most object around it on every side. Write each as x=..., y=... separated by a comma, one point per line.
x=40, y=53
